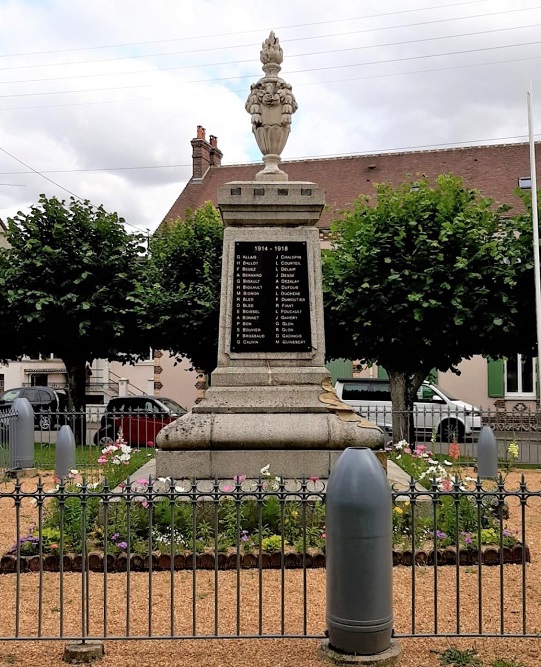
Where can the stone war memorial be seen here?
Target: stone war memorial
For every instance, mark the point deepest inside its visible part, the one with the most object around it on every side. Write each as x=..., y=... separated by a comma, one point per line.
x=271, y=400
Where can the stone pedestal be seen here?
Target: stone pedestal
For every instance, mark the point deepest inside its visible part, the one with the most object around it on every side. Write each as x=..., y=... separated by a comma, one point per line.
x=270, y=392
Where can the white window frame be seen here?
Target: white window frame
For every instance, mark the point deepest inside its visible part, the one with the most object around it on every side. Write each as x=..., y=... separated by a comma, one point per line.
x=519, y=393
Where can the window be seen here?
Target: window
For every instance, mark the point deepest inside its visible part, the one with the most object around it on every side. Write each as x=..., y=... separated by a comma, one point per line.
x=38, y=379
x=520, y=376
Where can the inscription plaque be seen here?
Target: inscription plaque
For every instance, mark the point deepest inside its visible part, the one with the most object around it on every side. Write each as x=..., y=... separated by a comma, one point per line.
x=271, y=301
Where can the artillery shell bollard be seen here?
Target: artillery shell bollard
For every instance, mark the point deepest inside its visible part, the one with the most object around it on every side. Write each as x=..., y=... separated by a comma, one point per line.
x=65, y=452
x=359, y=563
x=487, y=454
x=21, y=453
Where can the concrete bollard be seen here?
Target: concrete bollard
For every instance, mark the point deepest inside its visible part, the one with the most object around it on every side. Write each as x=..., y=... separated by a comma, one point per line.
x=65, y=452
x=359, y=555
x=487, y=454
x=21, y=455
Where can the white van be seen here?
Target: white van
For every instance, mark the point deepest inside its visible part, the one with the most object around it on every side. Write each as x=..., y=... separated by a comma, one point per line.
x=434, y=410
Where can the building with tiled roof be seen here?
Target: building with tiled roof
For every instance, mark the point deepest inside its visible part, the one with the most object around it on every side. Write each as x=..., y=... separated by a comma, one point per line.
x=493, y=170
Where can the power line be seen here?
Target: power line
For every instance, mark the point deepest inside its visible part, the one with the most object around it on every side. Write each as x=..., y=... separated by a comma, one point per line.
x=244, y=32
x=298, y=85
x=301, y=71
x=297, y=55
x=32, y=170
x=35, y=171
x=469, y=142
x=298, y=39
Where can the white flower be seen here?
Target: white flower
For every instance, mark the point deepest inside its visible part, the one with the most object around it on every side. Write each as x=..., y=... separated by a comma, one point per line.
x=433, y=461
x=265, y=470
x=74, y=472
x=164, y=480
x=447, y=463
x=179, y=489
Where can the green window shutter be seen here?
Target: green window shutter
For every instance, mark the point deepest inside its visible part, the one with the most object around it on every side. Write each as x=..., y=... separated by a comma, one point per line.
x=340, y=368
x=382, y=373
x=495, y=369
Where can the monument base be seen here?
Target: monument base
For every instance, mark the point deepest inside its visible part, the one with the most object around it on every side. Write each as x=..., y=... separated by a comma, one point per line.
x=262, y=430
x=226, y=465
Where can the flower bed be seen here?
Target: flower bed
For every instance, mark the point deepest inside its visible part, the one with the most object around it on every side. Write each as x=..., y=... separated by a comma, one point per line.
x=165, y=562
x=228, y=525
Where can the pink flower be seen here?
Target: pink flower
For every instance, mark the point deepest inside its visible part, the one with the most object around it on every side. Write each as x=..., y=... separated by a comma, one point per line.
x=421, y=448
x=227, y=488
x=407, y=450
x=454, y=451
x=314, y=479
x=239, y=479
x=150, y=443
x=446, y=484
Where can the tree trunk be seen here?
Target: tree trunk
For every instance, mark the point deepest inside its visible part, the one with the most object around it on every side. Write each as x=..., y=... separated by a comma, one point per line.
x=76, y=372
x=404, y=388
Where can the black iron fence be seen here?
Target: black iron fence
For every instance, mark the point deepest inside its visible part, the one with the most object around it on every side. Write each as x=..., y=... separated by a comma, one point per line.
x=7, y=421
x=433, y=427
x=246, y=558
x=437, y=428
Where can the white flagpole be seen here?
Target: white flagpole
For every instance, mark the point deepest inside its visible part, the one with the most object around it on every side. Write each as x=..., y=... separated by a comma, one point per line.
x=535, y=224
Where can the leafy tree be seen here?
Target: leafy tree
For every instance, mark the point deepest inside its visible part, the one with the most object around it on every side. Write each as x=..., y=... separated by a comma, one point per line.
x=423, y=278
x=180, y=294
x=67, y=285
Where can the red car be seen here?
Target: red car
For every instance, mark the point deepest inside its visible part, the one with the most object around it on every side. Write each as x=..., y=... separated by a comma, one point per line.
x=139, y=417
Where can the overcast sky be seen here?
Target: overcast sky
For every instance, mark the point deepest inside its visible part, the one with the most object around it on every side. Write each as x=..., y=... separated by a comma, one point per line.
x=100, y=98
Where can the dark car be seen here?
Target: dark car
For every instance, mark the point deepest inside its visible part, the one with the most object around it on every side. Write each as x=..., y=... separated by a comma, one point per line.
x=46, y=402
x=139, y=417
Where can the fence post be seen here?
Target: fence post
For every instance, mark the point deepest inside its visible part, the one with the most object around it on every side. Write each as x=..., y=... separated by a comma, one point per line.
x=21, y=455
x=358, y=526
x=487, y=454
x=65, y=452
x=123, y=386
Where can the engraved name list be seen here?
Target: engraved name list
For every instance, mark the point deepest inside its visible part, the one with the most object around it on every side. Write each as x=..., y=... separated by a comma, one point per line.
x=271, y=304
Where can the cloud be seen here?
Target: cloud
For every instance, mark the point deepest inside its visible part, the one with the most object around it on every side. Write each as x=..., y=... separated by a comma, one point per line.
x=141, y=76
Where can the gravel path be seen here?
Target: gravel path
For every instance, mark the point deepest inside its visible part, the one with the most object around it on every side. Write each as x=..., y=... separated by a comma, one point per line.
x=274, y=653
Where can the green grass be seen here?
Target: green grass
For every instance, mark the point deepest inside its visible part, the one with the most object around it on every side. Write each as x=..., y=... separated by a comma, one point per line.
x=86, y=460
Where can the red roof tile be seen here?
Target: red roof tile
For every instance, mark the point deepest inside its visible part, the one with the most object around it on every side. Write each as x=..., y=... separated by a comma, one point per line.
x=494, y=170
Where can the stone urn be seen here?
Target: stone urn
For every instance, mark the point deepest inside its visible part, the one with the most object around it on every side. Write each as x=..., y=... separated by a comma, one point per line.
x=271, y=104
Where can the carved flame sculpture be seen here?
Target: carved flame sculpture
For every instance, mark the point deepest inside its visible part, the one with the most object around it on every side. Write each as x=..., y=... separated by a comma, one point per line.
x=271, y=104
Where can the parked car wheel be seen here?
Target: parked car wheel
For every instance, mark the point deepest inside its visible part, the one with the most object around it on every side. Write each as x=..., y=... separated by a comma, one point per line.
x=45, y=422
x=105, y=436
x=451, y=429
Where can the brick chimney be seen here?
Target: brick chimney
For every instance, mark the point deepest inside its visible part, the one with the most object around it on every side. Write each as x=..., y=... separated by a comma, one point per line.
x=200, y=154
x=204, y=154
x=216, y=154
